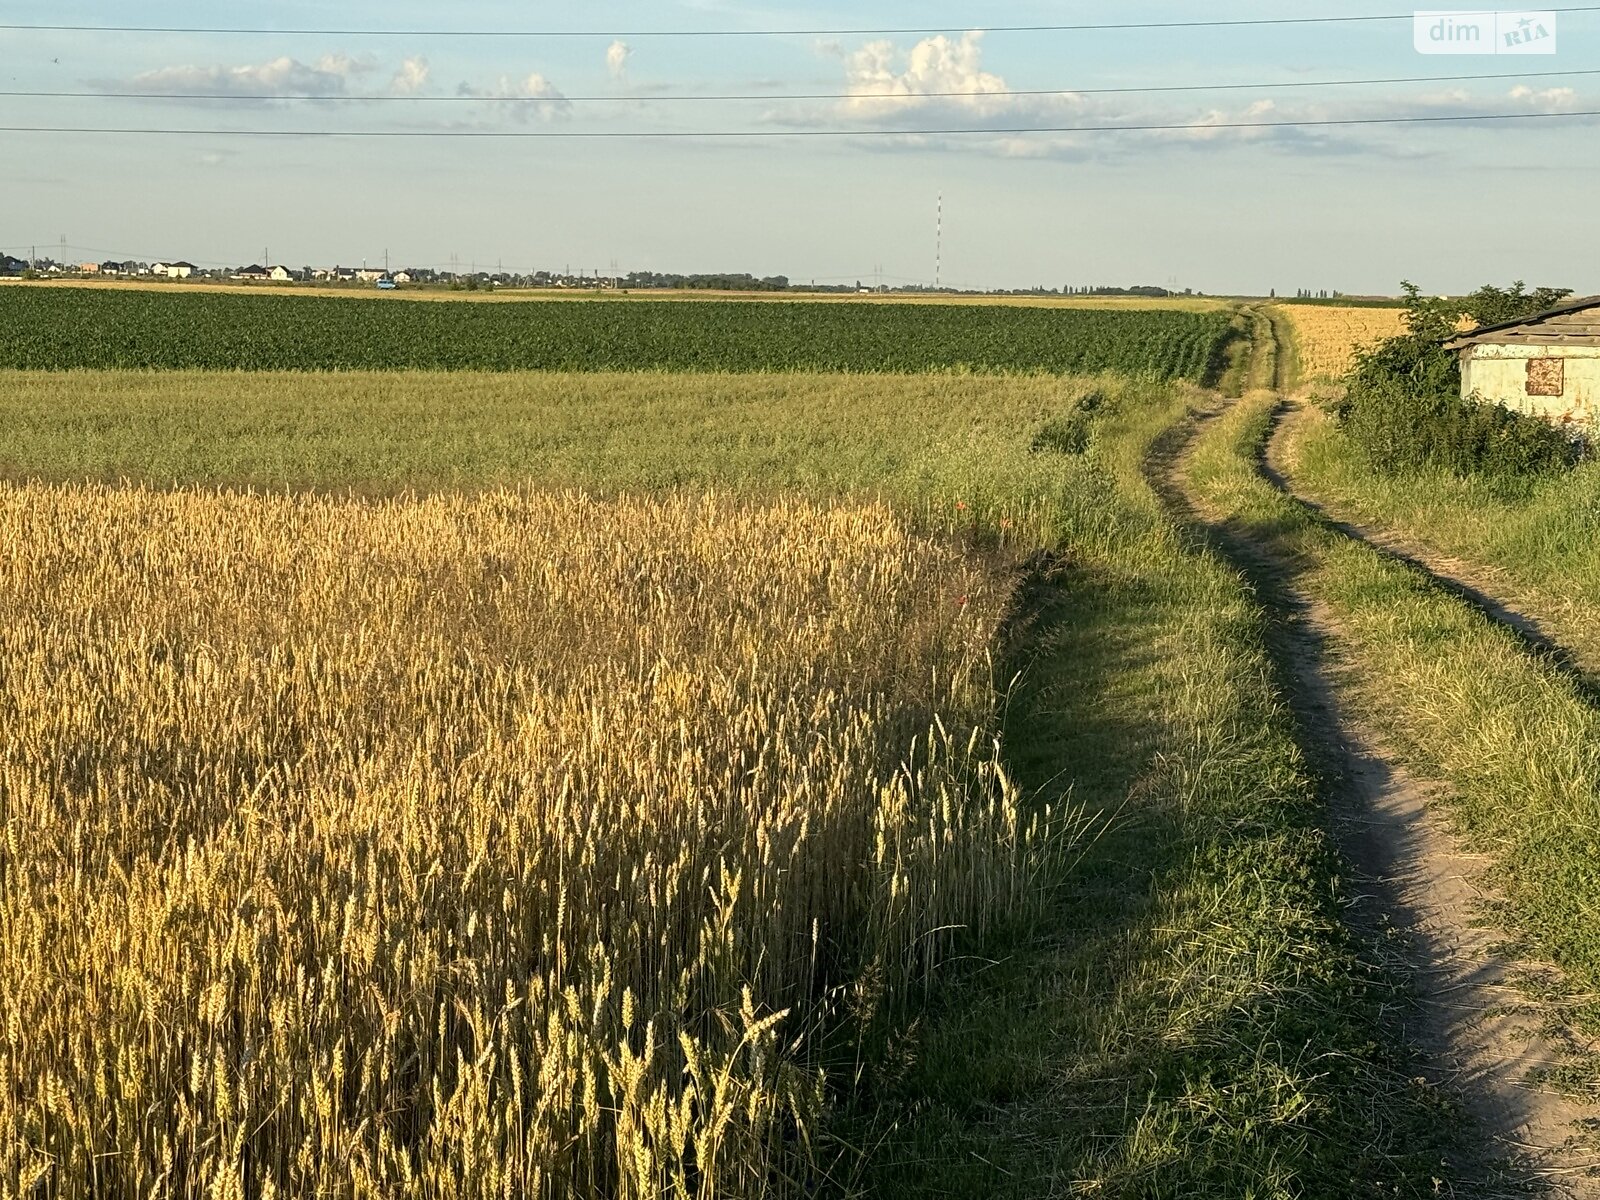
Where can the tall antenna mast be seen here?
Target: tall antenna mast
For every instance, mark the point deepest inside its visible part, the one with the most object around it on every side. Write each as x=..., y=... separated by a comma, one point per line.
x=938, y=245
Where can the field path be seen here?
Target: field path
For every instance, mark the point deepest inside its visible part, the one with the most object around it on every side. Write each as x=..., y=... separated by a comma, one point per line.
x=1487, y=590
x=1414, y=895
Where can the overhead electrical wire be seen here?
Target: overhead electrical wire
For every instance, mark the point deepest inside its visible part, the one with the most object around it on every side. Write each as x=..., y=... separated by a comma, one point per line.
x=760, y=134
x=1009, y=93
x=1087, y=27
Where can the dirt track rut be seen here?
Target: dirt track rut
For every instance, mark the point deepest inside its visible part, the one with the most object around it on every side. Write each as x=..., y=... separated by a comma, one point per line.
x=1469, y=582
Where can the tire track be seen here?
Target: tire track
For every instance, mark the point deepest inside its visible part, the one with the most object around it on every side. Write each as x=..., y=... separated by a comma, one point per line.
x=1469, y=586
x=1414, y=896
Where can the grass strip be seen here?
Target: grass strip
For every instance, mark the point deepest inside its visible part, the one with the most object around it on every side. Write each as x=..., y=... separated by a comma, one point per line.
x=1539, y=537
x=1193, y=1019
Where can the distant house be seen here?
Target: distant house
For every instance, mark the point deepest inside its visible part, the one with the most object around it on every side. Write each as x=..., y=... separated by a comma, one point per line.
x=281, y=274
x=173, y=270
x=112, y=268
x=12, y=266
x=253, y=272
x=402, y=277
x=89, y=268
x=1546, y=365
x=369, y=275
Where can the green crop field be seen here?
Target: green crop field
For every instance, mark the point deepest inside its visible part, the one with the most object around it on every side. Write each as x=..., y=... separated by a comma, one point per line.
x=62, y=329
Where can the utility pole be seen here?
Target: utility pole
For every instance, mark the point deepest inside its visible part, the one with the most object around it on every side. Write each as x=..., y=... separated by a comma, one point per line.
x=938, y=245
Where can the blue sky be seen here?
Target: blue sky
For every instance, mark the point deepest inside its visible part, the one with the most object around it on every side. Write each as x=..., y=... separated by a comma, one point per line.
x=1450, y=206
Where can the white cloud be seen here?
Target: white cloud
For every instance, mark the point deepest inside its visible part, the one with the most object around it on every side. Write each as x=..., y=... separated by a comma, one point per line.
x=509, y=97
x=933, y=66
x=617, y=55
x=939, y=81
x=285, y=76
x=1551, y=99
x=942, y=82
x=411, y=78
x=343, y=65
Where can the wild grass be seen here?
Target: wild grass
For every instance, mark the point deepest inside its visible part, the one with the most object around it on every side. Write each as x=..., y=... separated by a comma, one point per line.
x=511, y=845
x=1539, y=538
x=1517, y=738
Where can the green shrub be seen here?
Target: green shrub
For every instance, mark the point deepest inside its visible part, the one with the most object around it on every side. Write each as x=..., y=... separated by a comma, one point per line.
x=1404, y=410
x=1400, y=432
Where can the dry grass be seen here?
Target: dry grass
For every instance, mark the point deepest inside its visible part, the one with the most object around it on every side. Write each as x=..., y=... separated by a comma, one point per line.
x=496, y=846
x=1327, y=338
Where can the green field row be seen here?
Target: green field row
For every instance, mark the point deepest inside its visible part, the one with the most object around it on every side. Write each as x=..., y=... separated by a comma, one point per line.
x=64, y=329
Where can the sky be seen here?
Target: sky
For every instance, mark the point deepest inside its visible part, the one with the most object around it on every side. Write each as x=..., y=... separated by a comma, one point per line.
x=1228, y=211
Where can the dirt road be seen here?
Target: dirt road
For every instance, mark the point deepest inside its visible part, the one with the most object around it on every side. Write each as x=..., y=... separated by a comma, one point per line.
x=1415, y=896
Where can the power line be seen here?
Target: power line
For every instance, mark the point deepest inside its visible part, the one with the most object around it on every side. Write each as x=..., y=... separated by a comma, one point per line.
x=735, y=33
x=1006, y=94
x=800, y=133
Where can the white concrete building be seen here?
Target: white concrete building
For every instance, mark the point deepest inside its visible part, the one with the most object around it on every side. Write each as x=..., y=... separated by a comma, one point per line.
x=1546, y=365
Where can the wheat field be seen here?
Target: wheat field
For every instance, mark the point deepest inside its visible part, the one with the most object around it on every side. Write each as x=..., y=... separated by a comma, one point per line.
x=1327, y=338
x=517, y=844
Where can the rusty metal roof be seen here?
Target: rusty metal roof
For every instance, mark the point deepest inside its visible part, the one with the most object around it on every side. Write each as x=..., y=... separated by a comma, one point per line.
x=1472, y=337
